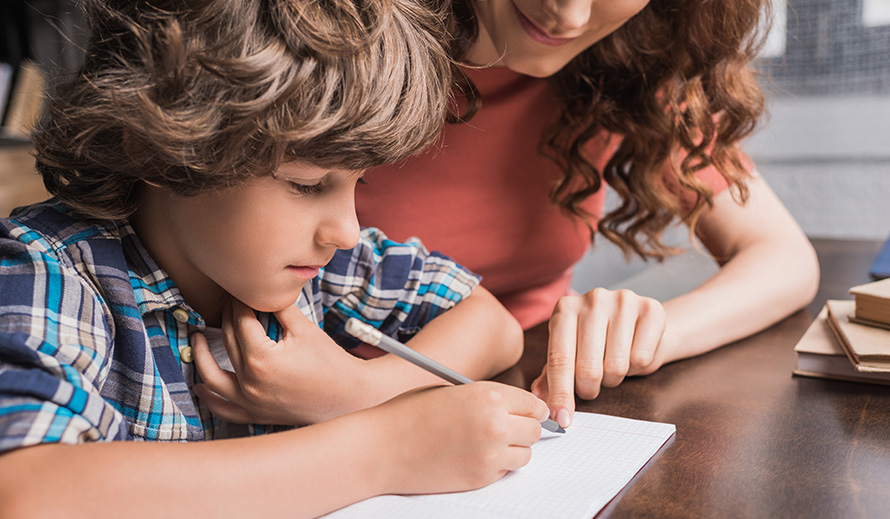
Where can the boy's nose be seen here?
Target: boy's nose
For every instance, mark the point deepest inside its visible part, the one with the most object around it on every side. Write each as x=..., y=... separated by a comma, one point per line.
x=569, y=15
x=340, y=227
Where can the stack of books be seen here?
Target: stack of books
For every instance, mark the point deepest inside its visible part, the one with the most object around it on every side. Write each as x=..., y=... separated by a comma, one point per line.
x=850, y=339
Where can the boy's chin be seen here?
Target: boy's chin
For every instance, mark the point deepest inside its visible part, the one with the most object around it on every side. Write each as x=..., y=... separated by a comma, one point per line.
x=274, y=305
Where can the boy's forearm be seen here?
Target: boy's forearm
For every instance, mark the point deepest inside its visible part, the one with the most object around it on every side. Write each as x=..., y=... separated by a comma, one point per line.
x=300, y=473
x=477, y=338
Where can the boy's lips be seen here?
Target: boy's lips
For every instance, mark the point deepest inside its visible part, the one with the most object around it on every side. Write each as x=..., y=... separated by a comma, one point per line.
x=306, y=271
x=536, y=33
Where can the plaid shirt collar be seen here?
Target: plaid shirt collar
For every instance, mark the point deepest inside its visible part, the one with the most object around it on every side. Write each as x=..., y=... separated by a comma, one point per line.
x=153, y=289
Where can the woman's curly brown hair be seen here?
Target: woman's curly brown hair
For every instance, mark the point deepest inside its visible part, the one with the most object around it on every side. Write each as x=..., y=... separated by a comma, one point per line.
x=202, y=95
x=674, y=83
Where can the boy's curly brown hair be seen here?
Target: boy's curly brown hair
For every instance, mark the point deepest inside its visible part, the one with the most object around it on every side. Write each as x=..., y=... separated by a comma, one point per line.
x=202, y=95
x=675, y=83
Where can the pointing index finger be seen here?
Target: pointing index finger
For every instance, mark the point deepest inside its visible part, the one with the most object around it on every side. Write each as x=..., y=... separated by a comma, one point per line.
x=561, y=365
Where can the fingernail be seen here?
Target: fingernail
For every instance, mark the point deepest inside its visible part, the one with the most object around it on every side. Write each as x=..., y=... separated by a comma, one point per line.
x=563, y=418
x=545, y=416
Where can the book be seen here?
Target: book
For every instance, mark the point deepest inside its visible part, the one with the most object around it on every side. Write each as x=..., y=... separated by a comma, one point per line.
x=819, y=355
x=26, y=99
x=570, y=476
x=872, y=303
x=5, y=86
x=867, y=347
x=880, y=268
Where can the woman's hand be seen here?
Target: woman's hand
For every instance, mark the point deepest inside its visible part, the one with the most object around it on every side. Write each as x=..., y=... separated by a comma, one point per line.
x=447, y=439
x=304, y=378
x=596, y=340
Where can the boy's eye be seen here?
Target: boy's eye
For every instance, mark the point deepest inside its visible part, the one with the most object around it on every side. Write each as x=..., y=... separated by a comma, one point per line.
x=306, y=189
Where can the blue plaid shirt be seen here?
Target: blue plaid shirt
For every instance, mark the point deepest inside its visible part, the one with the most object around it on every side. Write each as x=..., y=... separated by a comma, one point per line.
x=91, y=329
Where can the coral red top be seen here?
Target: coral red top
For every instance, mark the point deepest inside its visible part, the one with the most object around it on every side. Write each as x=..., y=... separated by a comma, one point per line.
x=481, y=197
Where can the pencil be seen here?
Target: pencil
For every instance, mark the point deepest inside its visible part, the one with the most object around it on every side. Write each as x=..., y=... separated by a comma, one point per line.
x=370, y=335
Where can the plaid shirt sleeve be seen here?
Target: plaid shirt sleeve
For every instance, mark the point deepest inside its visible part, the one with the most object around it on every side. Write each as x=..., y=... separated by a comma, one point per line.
x=55, y=344
x=396, y=287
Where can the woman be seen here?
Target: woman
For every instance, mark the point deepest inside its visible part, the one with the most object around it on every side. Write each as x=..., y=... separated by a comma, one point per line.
x=564, y=96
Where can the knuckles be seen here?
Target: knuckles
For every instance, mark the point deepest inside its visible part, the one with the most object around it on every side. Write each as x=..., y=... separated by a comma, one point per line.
x=587, y=389
x=567, y=305
x=557, y=359
x=588, y=369
x=616, y=365
x=642, y=360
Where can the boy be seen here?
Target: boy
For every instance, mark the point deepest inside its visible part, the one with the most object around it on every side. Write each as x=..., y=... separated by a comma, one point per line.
x=238, y=129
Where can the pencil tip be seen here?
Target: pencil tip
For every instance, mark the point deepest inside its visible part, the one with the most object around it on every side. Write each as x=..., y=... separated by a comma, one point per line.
x=552, y=426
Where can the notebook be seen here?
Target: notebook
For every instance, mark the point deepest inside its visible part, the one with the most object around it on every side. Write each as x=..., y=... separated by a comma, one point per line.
x=571, y=475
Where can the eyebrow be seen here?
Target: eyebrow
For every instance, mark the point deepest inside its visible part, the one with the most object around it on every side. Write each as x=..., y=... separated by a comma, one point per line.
x=327, y=173
x=278, y=176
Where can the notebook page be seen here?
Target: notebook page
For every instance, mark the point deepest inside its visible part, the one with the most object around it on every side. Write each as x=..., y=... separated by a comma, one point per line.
x=569, y=476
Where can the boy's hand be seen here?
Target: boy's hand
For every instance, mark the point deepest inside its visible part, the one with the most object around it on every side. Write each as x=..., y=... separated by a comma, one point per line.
x=454, y=438
x=597, y=339
x=304, y=378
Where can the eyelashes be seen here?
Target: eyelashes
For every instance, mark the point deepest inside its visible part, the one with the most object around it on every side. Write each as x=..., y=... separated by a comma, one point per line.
x=306, y=189
x=314, y=189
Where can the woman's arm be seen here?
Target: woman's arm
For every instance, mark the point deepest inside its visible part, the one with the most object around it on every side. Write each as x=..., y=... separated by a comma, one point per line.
x=768, y=270
x=432, y=440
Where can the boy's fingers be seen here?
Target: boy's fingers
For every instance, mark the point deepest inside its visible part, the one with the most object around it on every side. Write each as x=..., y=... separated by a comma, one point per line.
x=248, y=331
x=291, y=318
x=524, y=431
x=221, y=407
x=217, y=379
x=561, y=366
x=517, y=457
x=521, y=403
x=230, y=342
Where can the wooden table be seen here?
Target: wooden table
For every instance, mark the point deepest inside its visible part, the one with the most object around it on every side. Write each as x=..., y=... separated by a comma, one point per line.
x=752, y=440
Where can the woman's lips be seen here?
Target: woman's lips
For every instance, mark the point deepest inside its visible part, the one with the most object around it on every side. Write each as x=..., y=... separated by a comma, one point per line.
x=535, y=33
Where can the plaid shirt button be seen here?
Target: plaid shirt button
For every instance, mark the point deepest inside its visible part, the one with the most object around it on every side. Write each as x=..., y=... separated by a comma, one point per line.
x=181, y=315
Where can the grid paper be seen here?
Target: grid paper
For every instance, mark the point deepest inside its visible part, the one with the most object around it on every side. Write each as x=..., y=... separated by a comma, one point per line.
x=569, y=476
